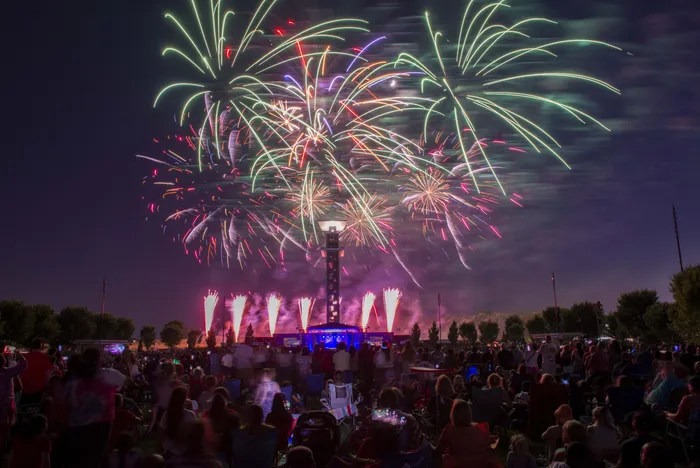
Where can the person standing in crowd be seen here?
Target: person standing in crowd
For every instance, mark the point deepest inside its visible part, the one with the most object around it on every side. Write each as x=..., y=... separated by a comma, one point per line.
x=437, y=355
x=222, y=421
x=196, y=383
x=36, y=376
x=91, y=399
x=214, y=362
x=505, y=359
x=227, y=363
x=7, y=394
x=366, y=364
x=354, y=360
x=383, y=362
x=473, y=355
x=266, y=391
x=549, y=351
x=304, y=363
x=243, y=361
x=317, y=359
x=341, y=358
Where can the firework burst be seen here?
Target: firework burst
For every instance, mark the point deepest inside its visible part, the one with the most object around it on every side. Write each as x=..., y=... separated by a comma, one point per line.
x=210, y=302
x=367, y=304
x=391, y=304
x=237, y=307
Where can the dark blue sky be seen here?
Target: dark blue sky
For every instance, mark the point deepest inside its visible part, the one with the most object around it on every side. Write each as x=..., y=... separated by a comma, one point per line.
x=79, y=79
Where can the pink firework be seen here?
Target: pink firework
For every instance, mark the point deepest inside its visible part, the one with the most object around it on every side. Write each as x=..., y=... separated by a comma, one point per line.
x=237, y=307
x=305, y=305
x=274, y=302
x=391, y=303
x=367, y=304
x=210, y=301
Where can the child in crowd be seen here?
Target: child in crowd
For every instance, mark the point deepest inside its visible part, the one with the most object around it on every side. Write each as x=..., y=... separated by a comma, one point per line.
x=519, y=456
x=204, y=401
x=32, y=447
x=603, y=434
x=125, y=454
x=552, y=436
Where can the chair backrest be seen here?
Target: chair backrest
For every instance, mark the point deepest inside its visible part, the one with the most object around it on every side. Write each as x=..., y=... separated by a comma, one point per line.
x=314, y=384
x=318, y=430
x=233, y=387
x=676, y=396
x=254, y=450
x=544, y=401
x=486, y=405
x=624, y=400
x=340, y=395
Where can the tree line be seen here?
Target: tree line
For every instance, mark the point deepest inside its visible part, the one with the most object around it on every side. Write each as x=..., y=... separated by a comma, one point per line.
x=174, y=332
x=21, y=323
x=638, y=314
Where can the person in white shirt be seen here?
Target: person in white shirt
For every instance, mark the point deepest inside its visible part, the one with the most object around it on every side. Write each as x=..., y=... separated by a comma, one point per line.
x=341, y=359
x=243, y=362
x=227, y=363
x=549, y=351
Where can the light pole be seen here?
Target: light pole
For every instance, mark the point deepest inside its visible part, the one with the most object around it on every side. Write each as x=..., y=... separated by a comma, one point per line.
x=332, y=252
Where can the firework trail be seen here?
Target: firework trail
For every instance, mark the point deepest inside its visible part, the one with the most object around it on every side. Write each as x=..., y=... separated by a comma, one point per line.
x=237, y=307
x=210, y=301
x=274, y=302
x=367, y=304
x=391, y=303
x=305, y=306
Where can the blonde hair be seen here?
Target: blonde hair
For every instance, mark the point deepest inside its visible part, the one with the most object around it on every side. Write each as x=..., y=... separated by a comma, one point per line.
x=519, y=444
x=459, y=381
x=548, y=379
x=494, y=380
x=443, y=386
x=603, y=416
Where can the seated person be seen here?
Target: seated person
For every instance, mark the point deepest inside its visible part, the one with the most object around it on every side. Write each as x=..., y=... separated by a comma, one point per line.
x=689, y=403
x=603, y=434
x=440, y=404
x=552, y=436
x=668, y=381
x=463, y=442
x=631, y=448
x=657, y=455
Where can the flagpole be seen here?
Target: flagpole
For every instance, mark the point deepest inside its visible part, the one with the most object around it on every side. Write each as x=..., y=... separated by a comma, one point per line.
x=439, y=320
x=556, y=305
x=102, y=320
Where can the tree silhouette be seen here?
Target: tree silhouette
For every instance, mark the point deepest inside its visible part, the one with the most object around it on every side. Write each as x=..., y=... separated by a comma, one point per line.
x=148, y=336
x=433, y=334
x=453, y=333
x=415, y=335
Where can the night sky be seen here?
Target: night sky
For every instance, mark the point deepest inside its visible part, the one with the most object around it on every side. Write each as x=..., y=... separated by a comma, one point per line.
x=79, y=78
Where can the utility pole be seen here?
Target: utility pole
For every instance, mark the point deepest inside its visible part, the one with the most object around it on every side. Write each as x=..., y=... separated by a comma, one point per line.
x=678, y=240
x=439, y=320
x=556, y=306
x=102, y=320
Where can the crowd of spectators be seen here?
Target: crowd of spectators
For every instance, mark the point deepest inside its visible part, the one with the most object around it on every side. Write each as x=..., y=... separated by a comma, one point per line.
x=587, y=403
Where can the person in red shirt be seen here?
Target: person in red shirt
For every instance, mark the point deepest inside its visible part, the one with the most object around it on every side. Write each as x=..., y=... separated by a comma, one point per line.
x=36, y=377
x=689, y=404
x=32, y=448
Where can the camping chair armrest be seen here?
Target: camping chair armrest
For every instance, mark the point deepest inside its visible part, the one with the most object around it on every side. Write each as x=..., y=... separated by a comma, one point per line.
x=670, y=421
